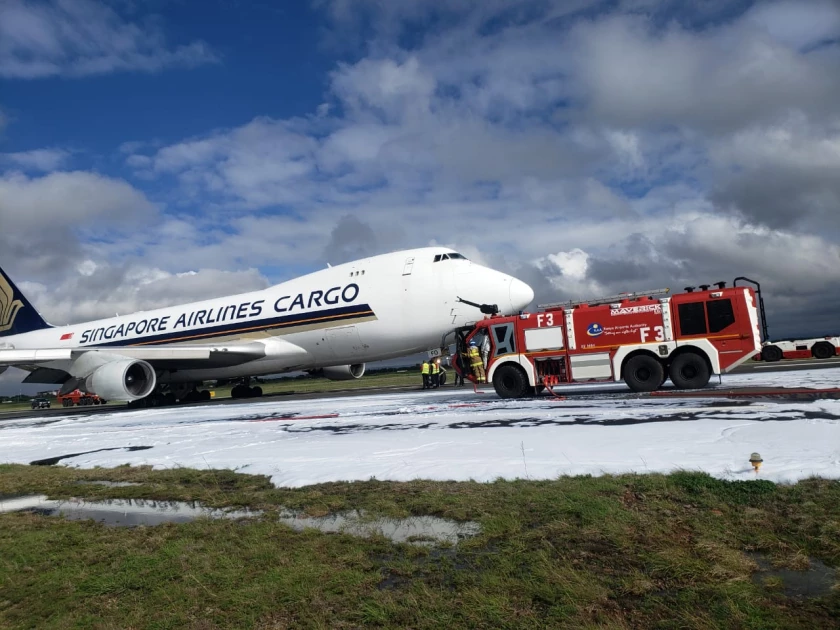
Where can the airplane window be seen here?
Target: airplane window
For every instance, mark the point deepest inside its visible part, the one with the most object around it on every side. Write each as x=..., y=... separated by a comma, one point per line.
x=437, y=258
x=457, y=257
x=445, y=257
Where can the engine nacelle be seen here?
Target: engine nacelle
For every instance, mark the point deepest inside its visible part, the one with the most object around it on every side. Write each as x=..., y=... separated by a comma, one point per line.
x=341, y=372
x=122, y=380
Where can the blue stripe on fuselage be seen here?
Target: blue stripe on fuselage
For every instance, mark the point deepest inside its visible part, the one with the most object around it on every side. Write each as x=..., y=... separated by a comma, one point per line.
x=327, y=317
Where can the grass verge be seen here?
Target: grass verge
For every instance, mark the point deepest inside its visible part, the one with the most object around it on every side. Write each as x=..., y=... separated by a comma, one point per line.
x=631, y=551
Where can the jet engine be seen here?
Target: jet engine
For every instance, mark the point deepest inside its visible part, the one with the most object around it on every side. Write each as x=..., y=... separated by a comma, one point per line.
x=341, y=372
x=122, y=380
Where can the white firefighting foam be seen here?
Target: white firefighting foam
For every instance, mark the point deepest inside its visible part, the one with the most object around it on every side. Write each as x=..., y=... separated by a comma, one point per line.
x=459, y=435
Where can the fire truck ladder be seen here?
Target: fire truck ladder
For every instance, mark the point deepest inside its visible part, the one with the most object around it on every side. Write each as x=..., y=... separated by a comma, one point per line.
x=605, y=300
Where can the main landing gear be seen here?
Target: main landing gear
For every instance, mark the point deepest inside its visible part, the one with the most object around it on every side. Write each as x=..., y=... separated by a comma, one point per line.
x=166, y=395
x=244, y=390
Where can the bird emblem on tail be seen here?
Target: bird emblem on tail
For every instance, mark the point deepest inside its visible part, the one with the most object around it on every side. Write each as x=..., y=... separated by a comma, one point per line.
x=9, y=306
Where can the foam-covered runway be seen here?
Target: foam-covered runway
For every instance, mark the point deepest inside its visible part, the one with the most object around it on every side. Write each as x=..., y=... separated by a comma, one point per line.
x=457, y=434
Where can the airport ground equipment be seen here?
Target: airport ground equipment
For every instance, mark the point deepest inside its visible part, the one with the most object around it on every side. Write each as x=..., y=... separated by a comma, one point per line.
x=642, y=338
x=78, y=398
x=816, y=348
x=771, y=351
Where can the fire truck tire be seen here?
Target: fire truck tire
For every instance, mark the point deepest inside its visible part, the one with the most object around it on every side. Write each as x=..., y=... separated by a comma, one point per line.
x=822, y=350
x=689, y=371
x=771, y=354
x=643, y=373
x=510, y=381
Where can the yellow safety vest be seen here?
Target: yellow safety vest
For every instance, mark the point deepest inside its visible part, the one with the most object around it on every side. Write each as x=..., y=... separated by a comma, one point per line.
x=435, y=368
x=475, y=357
x=424, y=369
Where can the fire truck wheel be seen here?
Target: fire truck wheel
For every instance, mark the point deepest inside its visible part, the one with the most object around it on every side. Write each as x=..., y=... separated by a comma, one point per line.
x=510, y=381
x=689, y=371
x=771, y=353
x=643, y=373
x=822, y=350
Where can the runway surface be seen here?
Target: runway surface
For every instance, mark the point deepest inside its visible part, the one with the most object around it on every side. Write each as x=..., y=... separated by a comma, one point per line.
x=457, y=434
x=749, y=368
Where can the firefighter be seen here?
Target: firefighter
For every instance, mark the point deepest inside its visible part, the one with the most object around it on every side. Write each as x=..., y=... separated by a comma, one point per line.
x=425, y=370
x=476, y=363
x=435, y=373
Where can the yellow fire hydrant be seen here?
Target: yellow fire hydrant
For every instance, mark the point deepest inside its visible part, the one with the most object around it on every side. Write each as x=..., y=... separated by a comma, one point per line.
x=755, y=460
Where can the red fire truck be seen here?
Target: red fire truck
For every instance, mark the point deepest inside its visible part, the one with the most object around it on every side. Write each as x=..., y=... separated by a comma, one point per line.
x=78, y=398
x=642, y=338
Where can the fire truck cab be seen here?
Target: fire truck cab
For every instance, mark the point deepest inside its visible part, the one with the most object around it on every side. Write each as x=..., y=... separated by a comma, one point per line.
x=642, y=338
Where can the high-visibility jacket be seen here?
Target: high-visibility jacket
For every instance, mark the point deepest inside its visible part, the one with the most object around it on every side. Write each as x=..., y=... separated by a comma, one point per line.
x=435, y=367
x=475, y=356
x=424, y=369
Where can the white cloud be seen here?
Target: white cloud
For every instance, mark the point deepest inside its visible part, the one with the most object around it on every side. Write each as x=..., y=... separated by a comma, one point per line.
x=83, y=37
x=395, y=91
x=38, y=159
x=632, y=74
x=796, y=23
x=572, y=264
x=68, y=197
x=44, y=218
x=103, y=290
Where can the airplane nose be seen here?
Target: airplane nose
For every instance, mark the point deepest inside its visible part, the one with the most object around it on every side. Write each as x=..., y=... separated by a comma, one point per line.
x=521, y=295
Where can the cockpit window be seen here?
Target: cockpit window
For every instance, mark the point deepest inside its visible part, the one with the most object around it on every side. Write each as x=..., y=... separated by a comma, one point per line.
x=452, y=256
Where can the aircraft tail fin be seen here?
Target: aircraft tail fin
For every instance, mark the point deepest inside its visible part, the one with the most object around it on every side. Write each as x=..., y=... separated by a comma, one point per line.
x=17, y=315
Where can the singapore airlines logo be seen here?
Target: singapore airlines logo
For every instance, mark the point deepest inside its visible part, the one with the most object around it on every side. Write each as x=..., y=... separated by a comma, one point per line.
x=9, y=307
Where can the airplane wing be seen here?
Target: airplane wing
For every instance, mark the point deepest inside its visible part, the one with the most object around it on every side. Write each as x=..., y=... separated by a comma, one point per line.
x=55, y=365
x=183, y=357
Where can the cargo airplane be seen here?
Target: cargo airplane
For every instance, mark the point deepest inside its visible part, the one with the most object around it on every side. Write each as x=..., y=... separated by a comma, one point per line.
x=329, y=322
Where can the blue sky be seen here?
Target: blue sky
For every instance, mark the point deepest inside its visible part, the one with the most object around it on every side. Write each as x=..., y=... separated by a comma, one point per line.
x=160, y=152
x=263, y=62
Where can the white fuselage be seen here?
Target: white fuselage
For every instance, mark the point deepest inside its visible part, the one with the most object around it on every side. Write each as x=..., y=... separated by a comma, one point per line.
x=368, y=310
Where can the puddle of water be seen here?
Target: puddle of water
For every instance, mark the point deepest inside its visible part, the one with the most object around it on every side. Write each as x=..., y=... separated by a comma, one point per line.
x=817, y=581
x=110, y=484
x=120, y=512
x=420, y=530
